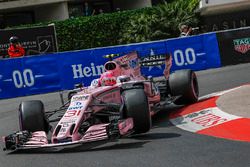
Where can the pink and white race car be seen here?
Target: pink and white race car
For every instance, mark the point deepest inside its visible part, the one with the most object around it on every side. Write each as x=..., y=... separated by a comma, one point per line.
x=118, y=104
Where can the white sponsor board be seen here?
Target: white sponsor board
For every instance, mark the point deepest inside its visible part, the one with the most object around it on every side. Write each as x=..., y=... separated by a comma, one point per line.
x=203, y=119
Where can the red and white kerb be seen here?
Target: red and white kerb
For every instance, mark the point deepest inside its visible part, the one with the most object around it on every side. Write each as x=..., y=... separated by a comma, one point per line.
x=206, y=118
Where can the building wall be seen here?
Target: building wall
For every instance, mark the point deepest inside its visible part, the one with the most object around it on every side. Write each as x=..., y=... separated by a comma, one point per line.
x=224, y=14
x=226, y=21
x=26, y=3
x=51, y=12
x=127, y=4
x=205, y=3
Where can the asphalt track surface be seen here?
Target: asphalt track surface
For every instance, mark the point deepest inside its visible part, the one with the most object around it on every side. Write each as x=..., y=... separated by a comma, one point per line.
x=165, y=145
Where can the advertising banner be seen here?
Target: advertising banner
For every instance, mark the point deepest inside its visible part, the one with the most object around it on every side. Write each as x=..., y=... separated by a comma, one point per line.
x=37, y=40
x=234, y=46
x=61, y=71
x=29, y=75
x=85, y=65
x=196, y=52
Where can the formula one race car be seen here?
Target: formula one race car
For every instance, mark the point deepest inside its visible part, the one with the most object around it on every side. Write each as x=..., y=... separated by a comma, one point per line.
x=118, y=104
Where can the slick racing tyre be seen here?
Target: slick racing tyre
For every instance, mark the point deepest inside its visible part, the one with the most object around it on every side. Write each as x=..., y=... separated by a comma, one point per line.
x=136, y=106
x=184, y=83
x=32, y=117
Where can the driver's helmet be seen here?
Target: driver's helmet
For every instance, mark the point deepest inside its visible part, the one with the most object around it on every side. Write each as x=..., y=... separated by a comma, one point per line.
x=13, y=40
x=107, y=79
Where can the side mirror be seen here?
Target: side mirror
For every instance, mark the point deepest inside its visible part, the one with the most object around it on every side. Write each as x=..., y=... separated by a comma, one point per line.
x=79, y=85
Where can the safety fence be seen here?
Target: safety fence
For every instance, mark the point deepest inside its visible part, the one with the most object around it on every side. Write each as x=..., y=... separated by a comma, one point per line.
x=61, y=71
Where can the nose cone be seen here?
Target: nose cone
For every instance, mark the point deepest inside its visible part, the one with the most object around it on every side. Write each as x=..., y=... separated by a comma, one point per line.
x=67, y=128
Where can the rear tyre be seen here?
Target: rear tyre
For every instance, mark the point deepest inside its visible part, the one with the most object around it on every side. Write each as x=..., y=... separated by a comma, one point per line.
x=184, y=83
x=136, y=106
x=32, y=117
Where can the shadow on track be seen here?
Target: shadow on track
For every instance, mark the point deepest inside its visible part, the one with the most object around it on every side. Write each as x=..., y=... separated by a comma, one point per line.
x=117, y=145
x=161, y=119
x=156, y=136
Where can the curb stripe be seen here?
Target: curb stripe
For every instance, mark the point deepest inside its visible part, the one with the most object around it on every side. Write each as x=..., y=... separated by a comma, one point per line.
x=238, y=129
x=204, y=117
x=204, y=104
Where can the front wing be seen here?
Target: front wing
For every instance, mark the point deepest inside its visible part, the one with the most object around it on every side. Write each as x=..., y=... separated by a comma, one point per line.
x=96, y=135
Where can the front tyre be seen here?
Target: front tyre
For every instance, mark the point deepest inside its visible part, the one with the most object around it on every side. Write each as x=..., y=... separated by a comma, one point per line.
x=184, y=83
x=136, y=106
x=32, y=117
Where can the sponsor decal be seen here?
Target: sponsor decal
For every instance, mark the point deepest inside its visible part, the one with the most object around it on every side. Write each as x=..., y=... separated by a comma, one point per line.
x=72, y=113
x=68, y=121
x=153, y=60
x=80, y=98
x=75, y=108
x=78, y=103
x=124, y=59
x=242, y=45
x=133, y=63
x=65, y=124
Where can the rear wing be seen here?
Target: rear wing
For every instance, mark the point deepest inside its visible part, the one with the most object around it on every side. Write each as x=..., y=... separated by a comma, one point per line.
x=129, y=64
x=134, y=62
x=158, y=60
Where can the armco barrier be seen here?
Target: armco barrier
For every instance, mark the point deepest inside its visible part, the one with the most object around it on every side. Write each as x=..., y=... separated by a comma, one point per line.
x=61, y=71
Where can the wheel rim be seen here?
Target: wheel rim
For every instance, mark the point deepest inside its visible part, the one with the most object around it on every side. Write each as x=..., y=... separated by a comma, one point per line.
x=195, y=87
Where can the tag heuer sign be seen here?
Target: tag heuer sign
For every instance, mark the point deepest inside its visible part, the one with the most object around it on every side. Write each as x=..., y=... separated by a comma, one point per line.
x=242, y=45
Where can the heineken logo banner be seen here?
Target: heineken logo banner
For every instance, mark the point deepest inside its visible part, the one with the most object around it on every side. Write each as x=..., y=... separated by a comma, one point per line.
x=242, y=45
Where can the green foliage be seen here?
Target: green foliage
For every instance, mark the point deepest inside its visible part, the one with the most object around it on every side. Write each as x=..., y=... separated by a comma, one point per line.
x=177, y=13
x=96, y=31
x=139, y=25
x=143, y=28
x=163, y=23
